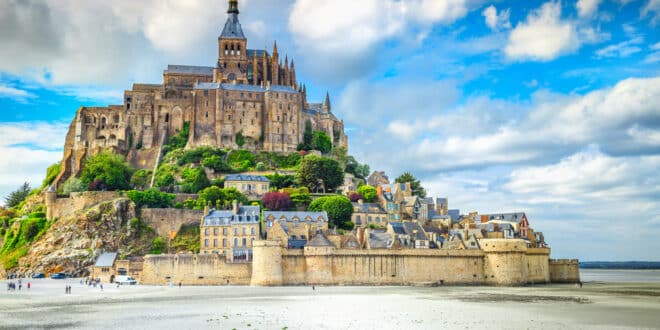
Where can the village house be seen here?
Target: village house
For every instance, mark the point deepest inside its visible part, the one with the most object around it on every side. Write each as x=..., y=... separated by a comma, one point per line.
x=294, y=228
x=409, y=234
x=254, y=186
x=230, y=232
x=104, y=268
x=365, y=214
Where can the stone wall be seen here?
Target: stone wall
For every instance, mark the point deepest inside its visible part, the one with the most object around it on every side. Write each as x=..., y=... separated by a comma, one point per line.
x=564, y=270
x=165, y=221
x=66, y=206
x=193, y=269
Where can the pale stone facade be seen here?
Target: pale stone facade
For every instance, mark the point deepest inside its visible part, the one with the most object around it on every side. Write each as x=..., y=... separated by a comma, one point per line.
x=254, y=186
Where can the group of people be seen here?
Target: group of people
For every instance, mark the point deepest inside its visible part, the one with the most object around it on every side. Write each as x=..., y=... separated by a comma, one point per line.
x=11, y=286
x=67, y=289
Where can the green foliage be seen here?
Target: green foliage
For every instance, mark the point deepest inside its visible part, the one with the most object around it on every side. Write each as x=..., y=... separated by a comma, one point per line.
x=219, y=198
x=109, y=168
x=179, y=140
x=217, y=164
x=194, y=180
x=165, y=175
x=260, y=166
x=301, y=198
x=314, y=168
x=360, y=171
x=308, y=137
x=16, y=241
x=240, y=160
x=158, y=245
x=187, y=239
x=339, y=209
x=274, y=160
x=321, y=142
x=368, y=192
x=340, y=154
x=197, y=155
x=73, y=185
x=151, y=198
x=18, y=195
x=51, y=173
x=240, y=139
x=190, y=203
x=279, y=181
x=141, y=179
x=415, y=185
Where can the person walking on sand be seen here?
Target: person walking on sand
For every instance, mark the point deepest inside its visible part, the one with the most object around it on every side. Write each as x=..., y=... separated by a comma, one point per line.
x=28, y=286
x=179, y=284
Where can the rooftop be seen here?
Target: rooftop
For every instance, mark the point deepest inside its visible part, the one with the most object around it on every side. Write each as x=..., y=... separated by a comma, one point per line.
x=243, y=177
x=106, y=259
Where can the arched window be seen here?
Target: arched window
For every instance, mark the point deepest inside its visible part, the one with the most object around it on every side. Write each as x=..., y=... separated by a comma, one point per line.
x=167, y=117
x=244, y=242
x=235, y=241
x=206, y=231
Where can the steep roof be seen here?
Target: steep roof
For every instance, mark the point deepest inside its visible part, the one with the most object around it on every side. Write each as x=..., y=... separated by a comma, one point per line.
x=243, y=177
x=411, y=227
x=245, y=214
x=379, y=239
x=232, y=29
x=106, y=259
x=244, y=87
x=368, y=208
x=319, y=240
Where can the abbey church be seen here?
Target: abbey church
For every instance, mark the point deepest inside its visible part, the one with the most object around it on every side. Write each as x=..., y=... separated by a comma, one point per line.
x=248, y=93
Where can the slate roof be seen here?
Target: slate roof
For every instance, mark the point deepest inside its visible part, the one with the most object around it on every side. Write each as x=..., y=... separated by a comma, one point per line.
x=189, y=69
x=106, y=259
x=244, y=87
x=397, y=227
x=508, y=217
x=410, y=227
x=319, y=240
x=246, y=214
x=232, y=28
x=379, y=239
x=243, y=177
x=259, y=52
x=373, y=208
x=301, y=215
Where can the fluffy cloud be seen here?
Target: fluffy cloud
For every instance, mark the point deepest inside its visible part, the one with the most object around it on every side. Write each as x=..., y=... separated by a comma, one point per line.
x=587, y=8
x=496, y=21
x=543, y=36
x=652, y=9
x=30, y=148
x=14, y=93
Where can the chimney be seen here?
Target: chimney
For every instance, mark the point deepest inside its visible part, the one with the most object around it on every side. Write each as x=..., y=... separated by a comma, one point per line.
x=234, y=206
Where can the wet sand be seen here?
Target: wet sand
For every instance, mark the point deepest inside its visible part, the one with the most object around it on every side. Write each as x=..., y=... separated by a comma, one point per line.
x=597, y=305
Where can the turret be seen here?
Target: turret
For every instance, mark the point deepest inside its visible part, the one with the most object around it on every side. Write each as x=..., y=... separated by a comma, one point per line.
x=327, y=108
x=275, y=73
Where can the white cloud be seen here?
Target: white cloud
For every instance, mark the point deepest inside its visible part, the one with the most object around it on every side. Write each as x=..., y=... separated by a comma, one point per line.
x=587, y=8
x=29, y=148
x=652, y=8
x=14, y=93
x=622, y=49
x=543, y=36
x=494, y=20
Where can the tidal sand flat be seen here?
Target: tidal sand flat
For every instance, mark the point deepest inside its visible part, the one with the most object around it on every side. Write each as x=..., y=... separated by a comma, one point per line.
x=595, y=306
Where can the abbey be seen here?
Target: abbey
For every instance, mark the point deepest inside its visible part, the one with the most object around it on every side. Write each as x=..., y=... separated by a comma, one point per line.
x=248, y=93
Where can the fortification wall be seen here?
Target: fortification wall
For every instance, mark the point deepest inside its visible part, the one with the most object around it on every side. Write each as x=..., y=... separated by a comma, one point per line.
x=66, y=206
x=382, y=267
x=266, y=263
x=165, y=221
x=193, y=269
x=536, y=266
x=564, y=270
x=503, y=261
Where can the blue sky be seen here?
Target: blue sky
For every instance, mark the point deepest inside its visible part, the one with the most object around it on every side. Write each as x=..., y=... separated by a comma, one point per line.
x=547, y=107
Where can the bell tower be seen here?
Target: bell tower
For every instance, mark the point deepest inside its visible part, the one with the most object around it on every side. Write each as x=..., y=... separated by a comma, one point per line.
x=232, y=50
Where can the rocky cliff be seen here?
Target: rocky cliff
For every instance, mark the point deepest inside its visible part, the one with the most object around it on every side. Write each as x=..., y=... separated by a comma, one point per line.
x=72, y=243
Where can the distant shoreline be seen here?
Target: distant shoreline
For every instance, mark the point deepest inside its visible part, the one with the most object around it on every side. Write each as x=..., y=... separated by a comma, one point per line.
x=620, y=265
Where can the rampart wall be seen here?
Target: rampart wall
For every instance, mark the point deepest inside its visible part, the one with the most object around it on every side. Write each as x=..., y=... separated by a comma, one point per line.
x=564, y=270
x=194, y=269
x=165, y=221
x=65, y=206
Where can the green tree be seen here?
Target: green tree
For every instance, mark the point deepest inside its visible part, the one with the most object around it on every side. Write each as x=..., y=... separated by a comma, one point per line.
x=340, y=154
x=109, y=168
x=221, y=198
x=158, y=245
x=415, y=185
x=73, y=185
x=194, y=180
x=279, y=181
x=240, y=139
x=321, y=142
x=141, y=179
x=368, y=192
x=18, y=195
x=216, y=163
x=314, y=168
x=360, y=171
x=308, y=137
x=51, y=174
x=339, y=209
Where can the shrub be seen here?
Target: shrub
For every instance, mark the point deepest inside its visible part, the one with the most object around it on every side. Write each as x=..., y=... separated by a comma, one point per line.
x=179, y=140
x=354, y=197
x=216, y=163
x=321, y=142
x=238, y=158
x=339, y=209
x=141, y=179
x=194, y=180
x=158, y=245
x=276, y=201
x=279, y=181
x=369, y=193
x=51, y=173
x=108, y=168
x=151, y=198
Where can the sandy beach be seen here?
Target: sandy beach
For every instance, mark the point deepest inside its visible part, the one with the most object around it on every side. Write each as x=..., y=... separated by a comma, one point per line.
x=597, y=305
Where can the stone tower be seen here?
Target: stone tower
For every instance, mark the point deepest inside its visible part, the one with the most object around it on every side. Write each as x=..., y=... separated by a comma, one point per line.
x=266, y=263
x=232, y=49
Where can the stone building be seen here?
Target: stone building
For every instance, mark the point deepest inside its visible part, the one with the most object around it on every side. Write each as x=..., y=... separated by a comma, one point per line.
x=230, y=232
x=104, y=268
x=254, y=186
x=365, y=214
x=248, y=99
x=294, y=228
